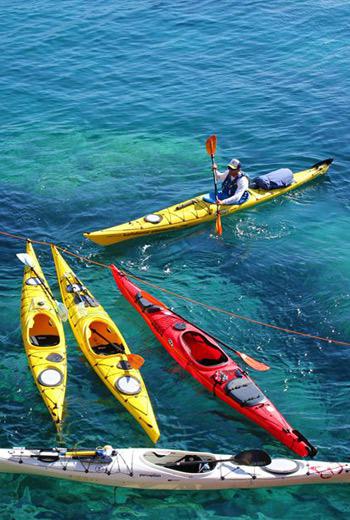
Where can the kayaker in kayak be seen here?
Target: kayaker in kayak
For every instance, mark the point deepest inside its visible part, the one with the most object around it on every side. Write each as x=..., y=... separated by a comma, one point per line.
x=235, y=183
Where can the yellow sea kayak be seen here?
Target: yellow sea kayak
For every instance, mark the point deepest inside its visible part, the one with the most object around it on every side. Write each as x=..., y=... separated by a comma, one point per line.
x=104, y=347
x=196, y=211
x=43, y=337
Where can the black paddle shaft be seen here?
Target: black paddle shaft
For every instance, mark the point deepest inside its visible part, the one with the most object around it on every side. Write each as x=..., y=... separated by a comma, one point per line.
x=214, y=176
x=46, y=289
x=118, y=347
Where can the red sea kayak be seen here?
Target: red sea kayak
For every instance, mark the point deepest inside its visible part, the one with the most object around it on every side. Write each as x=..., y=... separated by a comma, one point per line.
x=199, y=354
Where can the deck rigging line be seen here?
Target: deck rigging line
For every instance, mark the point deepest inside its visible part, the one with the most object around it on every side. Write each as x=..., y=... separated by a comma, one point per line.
x=181, y=297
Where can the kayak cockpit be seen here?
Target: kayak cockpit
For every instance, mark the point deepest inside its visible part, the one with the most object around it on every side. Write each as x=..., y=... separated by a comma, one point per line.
x=202, y=350
x=180, y=461
x=43, y=332
x=103, y=340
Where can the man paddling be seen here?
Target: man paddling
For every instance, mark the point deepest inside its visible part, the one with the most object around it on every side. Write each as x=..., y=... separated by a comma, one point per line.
x=234, y=189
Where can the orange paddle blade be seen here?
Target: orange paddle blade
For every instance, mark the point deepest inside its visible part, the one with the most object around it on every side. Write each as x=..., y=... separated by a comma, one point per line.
x=211, y=145
x=218, y=224
x=135, y=361
x=257, y=365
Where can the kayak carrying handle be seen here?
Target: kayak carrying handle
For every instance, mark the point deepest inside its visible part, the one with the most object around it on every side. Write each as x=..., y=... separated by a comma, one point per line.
x=322, y=163
x=310, y=448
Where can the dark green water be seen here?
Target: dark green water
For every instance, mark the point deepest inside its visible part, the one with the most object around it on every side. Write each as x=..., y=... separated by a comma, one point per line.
x=105, y=112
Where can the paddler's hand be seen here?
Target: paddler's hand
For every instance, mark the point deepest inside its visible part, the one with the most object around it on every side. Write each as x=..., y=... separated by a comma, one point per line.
x=214, y=167
x=218, y=201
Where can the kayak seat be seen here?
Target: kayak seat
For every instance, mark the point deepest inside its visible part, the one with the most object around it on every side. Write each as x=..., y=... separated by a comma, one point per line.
x=108, y=349
x=203, y=351
x=146, y=305
x=244, y=392
x=44, y=340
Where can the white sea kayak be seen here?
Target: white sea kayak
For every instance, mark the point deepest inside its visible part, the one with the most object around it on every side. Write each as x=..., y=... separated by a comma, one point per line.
x=172, y=469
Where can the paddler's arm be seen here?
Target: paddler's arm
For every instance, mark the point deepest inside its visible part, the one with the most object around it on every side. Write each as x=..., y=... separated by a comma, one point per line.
x=220, y=176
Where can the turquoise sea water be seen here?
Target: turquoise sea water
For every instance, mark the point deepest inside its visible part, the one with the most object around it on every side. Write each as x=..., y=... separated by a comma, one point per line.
x=105, y=109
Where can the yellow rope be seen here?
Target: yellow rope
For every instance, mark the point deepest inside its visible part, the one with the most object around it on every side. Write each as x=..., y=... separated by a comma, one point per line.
x=185, y=298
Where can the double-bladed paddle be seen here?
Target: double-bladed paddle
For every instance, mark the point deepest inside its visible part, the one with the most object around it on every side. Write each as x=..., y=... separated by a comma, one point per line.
x=211, y=149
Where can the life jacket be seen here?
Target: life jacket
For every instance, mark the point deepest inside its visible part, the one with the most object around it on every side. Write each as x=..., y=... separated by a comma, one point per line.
x=229, y=186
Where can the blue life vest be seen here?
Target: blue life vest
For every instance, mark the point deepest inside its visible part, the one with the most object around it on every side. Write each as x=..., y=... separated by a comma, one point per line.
x=229, y=186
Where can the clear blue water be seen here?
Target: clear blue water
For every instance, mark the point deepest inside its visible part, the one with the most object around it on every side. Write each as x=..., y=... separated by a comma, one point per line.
x=105, y=109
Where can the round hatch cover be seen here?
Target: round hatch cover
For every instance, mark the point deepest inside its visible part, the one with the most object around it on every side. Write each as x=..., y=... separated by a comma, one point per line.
x=180, y=325
x=50, y=377
x=282, y=466
x=153, y=219
x=54, y=358
x=128, y=385
x=34, y=280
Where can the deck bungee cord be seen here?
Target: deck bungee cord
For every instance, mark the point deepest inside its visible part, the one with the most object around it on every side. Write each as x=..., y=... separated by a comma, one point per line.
x=179, y=296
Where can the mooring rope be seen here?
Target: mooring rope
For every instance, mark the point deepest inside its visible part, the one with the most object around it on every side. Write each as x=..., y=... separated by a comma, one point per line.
x=180, y=296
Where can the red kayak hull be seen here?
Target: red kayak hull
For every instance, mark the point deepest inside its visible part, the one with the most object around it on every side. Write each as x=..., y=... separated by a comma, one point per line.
x=200, y=355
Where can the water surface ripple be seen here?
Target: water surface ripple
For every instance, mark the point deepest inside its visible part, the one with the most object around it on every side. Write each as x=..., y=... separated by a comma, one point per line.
x=105, y=108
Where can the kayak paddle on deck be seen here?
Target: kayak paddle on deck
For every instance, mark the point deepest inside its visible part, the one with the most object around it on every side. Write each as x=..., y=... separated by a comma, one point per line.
x=211, y=149
x=250, y=361
x=135, y=360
